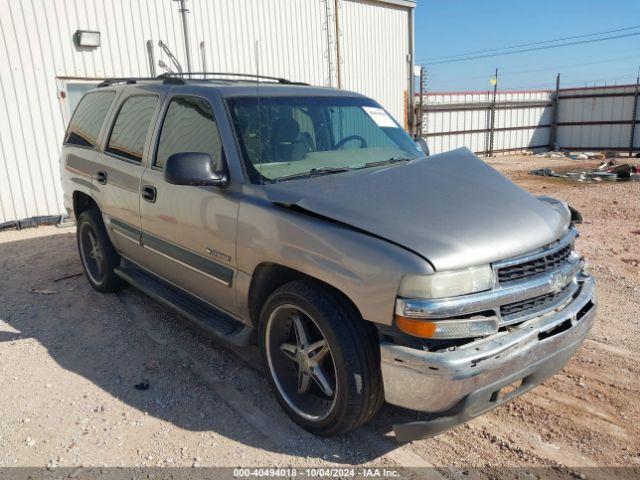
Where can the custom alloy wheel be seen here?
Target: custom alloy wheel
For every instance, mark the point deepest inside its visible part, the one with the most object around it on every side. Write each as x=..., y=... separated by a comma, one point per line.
x=323, y=358
x=300, y=362
x=99, y=258
x=91, y=253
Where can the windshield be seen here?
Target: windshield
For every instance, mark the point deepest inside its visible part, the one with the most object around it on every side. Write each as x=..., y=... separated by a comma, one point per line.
x=296, y=137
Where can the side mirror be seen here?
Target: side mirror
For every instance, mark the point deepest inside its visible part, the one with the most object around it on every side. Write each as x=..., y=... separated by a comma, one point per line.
x=421, y=143
x=193, y=168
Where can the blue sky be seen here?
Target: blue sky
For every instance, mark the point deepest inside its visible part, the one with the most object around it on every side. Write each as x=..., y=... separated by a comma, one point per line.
x=448, y=27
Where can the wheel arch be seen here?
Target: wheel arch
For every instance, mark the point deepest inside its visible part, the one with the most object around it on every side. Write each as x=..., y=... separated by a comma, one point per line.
x=82, y=201
x=268, y=277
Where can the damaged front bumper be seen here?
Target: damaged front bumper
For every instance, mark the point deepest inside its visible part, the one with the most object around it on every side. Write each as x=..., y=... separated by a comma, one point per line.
x=465, y=382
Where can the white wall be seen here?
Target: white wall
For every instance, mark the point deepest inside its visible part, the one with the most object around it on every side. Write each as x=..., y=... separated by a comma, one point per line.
x=471, y=119
x=295, y=40
x=577, y=105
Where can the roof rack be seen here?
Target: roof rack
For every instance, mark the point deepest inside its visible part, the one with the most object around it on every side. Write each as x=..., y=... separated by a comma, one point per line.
x=113, y=81
x=178, y=78
x=180, y=75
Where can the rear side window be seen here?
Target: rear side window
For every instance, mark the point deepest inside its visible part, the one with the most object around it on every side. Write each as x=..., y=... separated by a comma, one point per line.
x=130, y=129
x=87, y=119
x=189, y=126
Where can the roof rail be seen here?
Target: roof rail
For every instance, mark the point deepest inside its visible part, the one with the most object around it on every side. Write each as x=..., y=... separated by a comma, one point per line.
x=242, y=76
x=113, y=81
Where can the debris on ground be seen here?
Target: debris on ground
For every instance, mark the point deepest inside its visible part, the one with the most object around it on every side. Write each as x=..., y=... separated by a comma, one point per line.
x=579, y=155
x=43, y=291
x=607, y=164
x=551, y=155
x=67, y=277
x=144, y=385
x=545, y=172
x=624, y=171
x=608, y=171
x=587, y=156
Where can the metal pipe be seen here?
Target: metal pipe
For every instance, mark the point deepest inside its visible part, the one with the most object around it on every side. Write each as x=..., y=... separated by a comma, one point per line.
x=185, y=29
x=328, y=30
x=151, y=58
x=635, y=116
x=410, y=66
x=204, y=58
x=338, y=54
x=419, y=126
x=553, y=134
x=493, y=113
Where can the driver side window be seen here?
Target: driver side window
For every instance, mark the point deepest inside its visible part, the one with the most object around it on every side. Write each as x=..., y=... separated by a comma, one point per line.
x=189, y=126
x=349, y=121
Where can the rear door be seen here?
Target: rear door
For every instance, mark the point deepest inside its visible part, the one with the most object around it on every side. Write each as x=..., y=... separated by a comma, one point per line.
x=189, y=232
x=81, y=154
x=117, y=178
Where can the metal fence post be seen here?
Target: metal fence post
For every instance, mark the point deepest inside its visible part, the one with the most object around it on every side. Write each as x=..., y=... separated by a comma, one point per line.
x=493, y=115
x=553, y=133
x=634, y=117
x=419, y=122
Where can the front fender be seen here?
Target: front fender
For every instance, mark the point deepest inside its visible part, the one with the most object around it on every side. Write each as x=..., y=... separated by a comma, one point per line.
x=365, y=268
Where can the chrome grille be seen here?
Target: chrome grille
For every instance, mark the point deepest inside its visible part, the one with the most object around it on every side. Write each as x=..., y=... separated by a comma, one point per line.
x=536, y=263
x=537, y=303
x=534, y=267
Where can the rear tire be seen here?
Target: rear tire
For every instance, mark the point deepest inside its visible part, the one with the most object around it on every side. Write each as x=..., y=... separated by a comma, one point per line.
x=307, y=327
x=99, y=258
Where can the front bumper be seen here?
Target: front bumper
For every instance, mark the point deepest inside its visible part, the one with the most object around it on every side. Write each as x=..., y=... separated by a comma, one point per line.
x=467, y=381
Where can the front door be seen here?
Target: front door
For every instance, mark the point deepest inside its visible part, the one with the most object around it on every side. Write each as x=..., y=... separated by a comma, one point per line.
x=117, y=178
x=189, y=232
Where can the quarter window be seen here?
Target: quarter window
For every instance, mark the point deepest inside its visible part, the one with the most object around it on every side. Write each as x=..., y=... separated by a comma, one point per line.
x=131, y=127
x=189, y=126
x=88, y=118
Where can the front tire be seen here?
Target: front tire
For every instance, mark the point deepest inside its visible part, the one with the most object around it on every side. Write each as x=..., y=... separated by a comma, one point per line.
x=323, y=359
x=99, y=258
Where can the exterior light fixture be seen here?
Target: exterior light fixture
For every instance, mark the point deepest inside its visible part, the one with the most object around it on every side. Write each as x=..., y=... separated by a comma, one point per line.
x=87, y=38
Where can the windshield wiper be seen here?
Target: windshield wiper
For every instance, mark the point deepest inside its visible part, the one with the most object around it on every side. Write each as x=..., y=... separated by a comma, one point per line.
x=386, y=162
x=314, y=172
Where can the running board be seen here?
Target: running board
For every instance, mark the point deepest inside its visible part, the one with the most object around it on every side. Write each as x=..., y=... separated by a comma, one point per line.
x=206, y=316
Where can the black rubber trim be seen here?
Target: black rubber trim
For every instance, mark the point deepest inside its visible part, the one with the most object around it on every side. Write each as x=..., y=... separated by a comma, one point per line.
x=210, y=267
x=202, y=264
x=126, y=229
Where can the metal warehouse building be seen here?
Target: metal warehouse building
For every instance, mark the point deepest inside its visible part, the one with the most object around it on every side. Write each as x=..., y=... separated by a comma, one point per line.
x=50, y=53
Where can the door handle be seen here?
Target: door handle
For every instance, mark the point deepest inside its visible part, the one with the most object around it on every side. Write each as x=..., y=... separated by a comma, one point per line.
x=149, y=193
x=101, y=177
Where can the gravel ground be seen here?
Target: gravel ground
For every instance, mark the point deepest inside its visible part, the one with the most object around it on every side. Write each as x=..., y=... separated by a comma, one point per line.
x=70, y=359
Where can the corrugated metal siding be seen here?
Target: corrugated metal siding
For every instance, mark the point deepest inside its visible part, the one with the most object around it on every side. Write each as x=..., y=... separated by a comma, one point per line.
x=472, y=119
x=291, y=38
x=374, y=46
x=607, y=109
x=36, y=49
x=585, y=121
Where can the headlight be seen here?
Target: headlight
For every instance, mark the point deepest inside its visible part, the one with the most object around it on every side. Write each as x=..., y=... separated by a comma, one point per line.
x=447, y=284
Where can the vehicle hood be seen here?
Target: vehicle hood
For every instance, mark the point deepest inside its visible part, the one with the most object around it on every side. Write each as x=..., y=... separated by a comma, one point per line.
x=452, y=208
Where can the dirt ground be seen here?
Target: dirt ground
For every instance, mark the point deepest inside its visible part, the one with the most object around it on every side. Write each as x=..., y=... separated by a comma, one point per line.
x=70, y=358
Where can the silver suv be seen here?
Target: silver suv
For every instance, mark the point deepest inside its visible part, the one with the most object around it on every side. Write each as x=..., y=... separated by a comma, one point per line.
x=306, y=220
